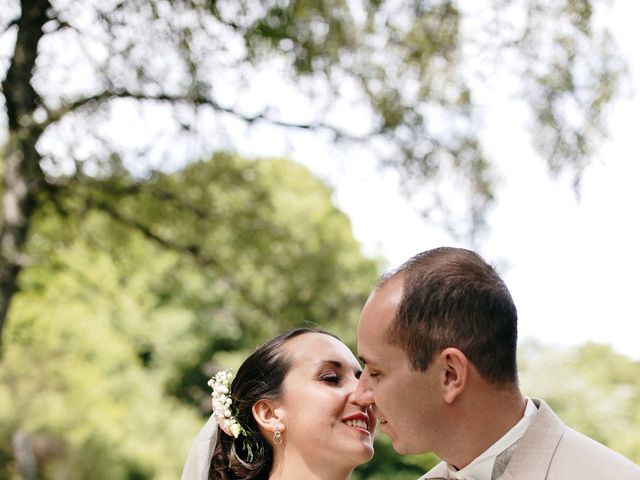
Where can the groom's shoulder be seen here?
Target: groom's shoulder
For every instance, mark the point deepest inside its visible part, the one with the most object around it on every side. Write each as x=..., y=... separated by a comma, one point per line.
x=572, y=454
x=581, y=452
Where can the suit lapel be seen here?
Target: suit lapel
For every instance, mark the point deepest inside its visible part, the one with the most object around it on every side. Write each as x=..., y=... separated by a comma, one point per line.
x=439, y=471
x=536, y=448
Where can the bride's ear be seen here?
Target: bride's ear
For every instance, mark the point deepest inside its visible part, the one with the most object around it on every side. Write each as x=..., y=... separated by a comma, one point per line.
x=269, y=414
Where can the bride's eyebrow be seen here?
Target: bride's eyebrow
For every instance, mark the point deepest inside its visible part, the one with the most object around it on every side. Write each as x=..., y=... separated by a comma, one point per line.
x=333, y=363
x=339, y=365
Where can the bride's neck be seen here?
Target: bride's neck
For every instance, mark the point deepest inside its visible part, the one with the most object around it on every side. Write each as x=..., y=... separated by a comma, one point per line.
x=309, y=476
x=291, y=470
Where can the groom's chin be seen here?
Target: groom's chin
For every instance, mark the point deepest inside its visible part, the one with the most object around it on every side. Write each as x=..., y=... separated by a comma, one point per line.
x=401, y=447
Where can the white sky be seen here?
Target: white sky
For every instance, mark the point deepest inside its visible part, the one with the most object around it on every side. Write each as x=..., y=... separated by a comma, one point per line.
x=572, y=265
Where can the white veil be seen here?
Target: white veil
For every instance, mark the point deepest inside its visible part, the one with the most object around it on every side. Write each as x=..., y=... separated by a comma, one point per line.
x=196, y=466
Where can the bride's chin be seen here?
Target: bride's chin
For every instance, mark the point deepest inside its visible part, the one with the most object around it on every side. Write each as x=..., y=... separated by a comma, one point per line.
x=355, y=464
x=367, y=454
x=361, y=457
x=356, y=455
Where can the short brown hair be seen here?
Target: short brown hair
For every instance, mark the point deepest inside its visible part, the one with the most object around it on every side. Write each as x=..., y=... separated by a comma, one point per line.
x=453, y=298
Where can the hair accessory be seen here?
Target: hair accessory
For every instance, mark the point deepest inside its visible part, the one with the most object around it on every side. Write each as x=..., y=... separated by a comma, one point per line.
x=277, y=436
x=221, y=402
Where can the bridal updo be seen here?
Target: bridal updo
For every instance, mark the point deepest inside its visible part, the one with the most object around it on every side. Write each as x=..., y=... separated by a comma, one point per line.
x=260, y=376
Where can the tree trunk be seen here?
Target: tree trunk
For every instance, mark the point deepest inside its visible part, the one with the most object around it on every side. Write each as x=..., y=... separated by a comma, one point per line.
x=22, y=175
x=24, y=455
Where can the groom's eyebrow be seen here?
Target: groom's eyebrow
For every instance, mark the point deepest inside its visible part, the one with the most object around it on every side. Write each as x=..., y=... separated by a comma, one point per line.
x=365, y=361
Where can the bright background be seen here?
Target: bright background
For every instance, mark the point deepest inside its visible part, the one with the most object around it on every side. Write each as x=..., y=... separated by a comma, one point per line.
x=571, y=259
x=572, y=263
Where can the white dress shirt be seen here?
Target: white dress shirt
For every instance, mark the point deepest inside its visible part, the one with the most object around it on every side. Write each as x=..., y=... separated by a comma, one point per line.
x=482, y=467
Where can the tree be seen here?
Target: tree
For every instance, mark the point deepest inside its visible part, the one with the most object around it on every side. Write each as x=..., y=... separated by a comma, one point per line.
x=73, y=385
x=114, y=335
x=188, y=72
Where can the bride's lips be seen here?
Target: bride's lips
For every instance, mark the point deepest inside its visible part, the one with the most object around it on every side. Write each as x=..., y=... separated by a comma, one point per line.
x=358, y=420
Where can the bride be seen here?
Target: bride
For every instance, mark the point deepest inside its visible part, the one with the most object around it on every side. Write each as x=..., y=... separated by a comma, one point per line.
x=289, y=413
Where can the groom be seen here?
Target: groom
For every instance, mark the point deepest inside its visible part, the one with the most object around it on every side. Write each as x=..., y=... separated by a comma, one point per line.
x=438, y=341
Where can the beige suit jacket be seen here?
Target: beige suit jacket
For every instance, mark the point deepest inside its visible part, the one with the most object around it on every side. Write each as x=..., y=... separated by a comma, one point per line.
x=549, y=450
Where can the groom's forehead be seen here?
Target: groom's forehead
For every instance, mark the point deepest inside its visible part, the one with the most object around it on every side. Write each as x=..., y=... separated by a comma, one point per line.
x=388, y=293
x=380, y=310
x=381, y=353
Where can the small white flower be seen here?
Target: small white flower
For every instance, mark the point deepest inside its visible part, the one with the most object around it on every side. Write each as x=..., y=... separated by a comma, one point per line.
x=221, y=403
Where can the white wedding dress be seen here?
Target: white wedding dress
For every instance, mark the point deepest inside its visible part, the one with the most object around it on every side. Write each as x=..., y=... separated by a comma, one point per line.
x=196, y=466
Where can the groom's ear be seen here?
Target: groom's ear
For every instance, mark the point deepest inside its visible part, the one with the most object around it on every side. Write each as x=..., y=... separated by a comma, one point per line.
x=454, y=368
x=269, y=414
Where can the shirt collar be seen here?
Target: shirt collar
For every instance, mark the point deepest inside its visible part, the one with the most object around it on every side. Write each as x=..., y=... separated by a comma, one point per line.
x=482, y=467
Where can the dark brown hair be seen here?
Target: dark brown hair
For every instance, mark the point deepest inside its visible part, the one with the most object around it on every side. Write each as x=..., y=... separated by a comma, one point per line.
x=259, y=377
x=453, y=298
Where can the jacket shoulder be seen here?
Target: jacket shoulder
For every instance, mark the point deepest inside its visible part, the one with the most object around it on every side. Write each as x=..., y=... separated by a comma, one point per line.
x=578, y=456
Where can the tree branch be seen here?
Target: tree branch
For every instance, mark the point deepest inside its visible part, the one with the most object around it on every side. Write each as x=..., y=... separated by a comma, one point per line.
x=108, y=95
x=192, y=251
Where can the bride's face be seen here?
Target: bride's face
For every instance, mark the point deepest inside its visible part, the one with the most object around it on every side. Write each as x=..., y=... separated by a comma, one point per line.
x=321, y=419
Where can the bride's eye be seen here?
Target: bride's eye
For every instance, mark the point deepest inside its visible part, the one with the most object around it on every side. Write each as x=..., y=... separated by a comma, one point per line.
x=330, y=378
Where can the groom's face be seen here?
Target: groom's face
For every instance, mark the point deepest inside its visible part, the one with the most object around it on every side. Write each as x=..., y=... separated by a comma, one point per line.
x=406, y=401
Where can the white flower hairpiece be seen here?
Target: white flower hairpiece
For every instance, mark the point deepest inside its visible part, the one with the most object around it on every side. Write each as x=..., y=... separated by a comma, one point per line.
x=220, y=383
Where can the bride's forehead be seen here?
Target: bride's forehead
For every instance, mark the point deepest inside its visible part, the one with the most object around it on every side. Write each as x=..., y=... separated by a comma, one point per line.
x=312, y=347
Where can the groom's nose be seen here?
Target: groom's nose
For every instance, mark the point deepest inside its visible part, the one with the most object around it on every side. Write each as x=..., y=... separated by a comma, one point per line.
x=364, y=394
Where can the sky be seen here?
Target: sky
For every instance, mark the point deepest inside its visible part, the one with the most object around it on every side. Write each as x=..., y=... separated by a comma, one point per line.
x=571, y=264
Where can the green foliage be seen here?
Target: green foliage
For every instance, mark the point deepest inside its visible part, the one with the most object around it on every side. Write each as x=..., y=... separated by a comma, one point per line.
x=269, y=248
x=112, y=336
x=592, y=388
x=71, y=375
